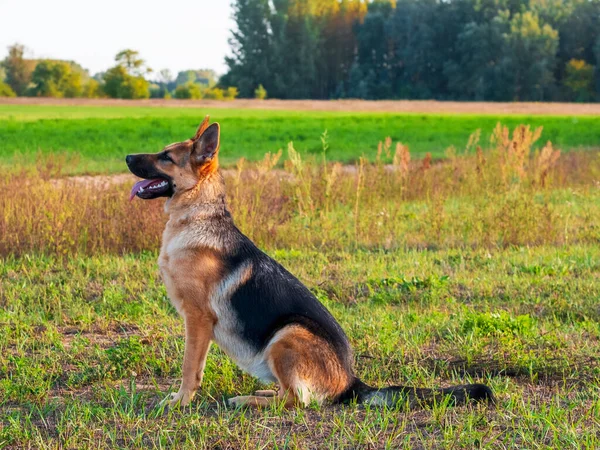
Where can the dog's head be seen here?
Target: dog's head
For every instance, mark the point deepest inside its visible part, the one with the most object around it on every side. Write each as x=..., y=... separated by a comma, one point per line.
x=179, y=167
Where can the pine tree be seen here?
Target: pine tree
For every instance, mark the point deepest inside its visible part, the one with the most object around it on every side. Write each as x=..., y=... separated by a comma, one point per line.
x=250, y=43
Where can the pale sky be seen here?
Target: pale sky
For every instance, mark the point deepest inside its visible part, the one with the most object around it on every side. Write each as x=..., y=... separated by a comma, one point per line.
x=175, y=34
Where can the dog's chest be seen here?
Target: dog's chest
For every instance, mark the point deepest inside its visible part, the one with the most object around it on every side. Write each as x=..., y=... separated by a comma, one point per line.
x=167, y=272
x=173, y=264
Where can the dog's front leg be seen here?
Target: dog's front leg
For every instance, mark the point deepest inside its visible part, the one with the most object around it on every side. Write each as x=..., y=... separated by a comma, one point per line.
x=198, y=335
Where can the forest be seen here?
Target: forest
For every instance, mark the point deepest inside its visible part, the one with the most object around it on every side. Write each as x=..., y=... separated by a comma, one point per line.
x=492, y=50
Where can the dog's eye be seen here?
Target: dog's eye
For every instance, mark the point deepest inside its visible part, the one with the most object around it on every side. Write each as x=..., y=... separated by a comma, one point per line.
x=166, y=157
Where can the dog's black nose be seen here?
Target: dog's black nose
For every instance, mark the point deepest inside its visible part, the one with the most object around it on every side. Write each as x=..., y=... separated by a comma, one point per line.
x=128, y=158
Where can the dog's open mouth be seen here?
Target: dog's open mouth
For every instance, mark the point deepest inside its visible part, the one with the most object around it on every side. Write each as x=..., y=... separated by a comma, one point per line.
x=148, y=189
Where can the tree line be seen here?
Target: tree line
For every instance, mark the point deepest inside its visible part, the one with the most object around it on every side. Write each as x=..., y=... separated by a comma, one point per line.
x=128, y=79
x=494, y=50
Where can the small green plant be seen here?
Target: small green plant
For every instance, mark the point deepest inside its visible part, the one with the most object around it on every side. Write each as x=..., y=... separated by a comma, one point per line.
x=125, y=357
x=260, y=93
x=501, y=322
x=397, y=290
x=214, y=94
x=231, y=93
x=6, y=90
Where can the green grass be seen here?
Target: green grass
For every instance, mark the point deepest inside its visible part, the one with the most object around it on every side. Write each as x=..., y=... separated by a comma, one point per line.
x=102, y=136
x=89, y=345
x=480, y=269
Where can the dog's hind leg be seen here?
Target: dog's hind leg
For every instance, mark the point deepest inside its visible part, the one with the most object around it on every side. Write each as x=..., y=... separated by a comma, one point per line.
x=260, y=398
x=286, y=397
x=306, y=369
x=265, y=393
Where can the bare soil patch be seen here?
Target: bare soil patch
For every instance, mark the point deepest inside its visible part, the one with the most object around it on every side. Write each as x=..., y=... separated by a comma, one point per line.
x=390, y=106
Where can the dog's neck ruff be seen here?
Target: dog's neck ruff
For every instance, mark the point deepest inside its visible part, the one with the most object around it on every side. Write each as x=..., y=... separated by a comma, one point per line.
x=208, y=193
x=201, y=211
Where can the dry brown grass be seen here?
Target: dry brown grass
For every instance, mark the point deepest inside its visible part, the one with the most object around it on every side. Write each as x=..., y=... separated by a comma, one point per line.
x=505, y=195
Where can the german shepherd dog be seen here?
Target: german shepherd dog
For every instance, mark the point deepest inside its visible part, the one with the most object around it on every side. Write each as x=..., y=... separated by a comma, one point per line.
x=230, y=292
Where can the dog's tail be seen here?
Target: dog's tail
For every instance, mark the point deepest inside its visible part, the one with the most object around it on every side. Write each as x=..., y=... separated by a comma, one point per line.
x=393, y=395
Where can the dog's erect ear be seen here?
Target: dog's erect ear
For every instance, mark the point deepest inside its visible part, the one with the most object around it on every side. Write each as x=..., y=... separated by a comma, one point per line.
x=202, y=128
x=207, y=145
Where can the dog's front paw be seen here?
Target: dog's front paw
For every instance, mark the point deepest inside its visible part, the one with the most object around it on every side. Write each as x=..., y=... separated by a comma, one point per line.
x=180, y=398
x=241, y=400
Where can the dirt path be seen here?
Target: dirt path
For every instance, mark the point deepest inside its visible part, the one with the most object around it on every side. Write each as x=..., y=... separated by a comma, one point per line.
x=105, y=181
x=397, y=106
x=96, y=181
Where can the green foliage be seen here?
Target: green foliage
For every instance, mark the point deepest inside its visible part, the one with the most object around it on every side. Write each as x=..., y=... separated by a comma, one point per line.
x=579, y=79
x=486, y=324
x=194, y=91
x=477, y=72
x=165, y=76
x=163, y=86
x=492, y=60
x=188, y=91
x=18, y=71
x=533, y=49
x=126, y=79
x=260, y=93
x=296, y=49
x=6, y=90
x=204, y=77
x=130, y=60
x=394, y=290
x=118, y=83
x=159, y=90
x=231, y=93
x=185, y=77
x=92, y=89
x=56, y=79
x=465, y=50
x=251, y=46
x=125, y=357
x=214, y=94
x=596, y=50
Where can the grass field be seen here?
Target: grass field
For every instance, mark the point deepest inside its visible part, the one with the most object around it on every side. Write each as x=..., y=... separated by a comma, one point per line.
x=483, y=267
x=90, y=344
x=97, y=138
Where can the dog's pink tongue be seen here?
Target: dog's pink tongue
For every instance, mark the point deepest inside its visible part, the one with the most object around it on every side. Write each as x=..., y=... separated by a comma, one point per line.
x=143, y=184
